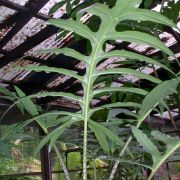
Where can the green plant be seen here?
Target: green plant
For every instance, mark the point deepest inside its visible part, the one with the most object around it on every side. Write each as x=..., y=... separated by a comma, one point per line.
x=172, y=144
x=28, y=106
x=110, y=19
x=155, y=97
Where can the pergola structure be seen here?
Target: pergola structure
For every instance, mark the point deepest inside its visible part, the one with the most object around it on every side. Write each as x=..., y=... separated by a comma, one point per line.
x=24, y=30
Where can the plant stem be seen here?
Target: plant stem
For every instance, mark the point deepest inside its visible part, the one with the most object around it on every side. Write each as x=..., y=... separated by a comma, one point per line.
x=114, y=169
x=87, y=99
x=172, y=119
x=88, y=87
x=85, y=150
x=94, y=168
x=66, y=173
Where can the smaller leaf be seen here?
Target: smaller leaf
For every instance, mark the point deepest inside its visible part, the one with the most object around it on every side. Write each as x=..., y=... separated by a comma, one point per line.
x=67, y=52
x=115, y=112
x=127, y=5
x=5, y=149
x=102, y=11
x=68, y=7
x=17, y=127
x=48, y=69
x=76, y=2
x=56, y=7
x=166, y=139
x=107, y=132
x=147, y=3
x=52, y=94
x=6, y=92
x=101, y=138
x=53, y=120
x=146, y=15
x=172, y=144
x=12, y=97
x=124, y=161
x=27, y=103
x=145, y=142
x=156, y=96
x=7, y=131
x=115, y=105
x=133, y=56
x=54, y=134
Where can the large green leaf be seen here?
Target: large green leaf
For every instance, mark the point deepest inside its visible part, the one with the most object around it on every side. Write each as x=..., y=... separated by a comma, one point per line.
x=110, y=18
x=123, y=6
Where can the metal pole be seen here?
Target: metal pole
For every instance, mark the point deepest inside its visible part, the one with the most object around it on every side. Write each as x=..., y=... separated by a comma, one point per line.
x=45, y=161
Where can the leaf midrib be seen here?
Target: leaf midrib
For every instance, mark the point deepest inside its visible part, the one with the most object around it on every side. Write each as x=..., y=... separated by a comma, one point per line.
x=87, y=93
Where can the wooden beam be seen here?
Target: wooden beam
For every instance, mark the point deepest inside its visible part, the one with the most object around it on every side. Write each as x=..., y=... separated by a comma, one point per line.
x=45, y=161
x=175, y=34
x=52, y=62
x=32, y=41
x=23, y=9
x=42, y=78
x=23, y=20
x=14, y=6
x=27, y=45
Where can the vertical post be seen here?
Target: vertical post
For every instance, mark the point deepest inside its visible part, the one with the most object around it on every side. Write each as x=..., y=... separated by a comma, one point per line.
x=45, y=161
x=66, y=155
